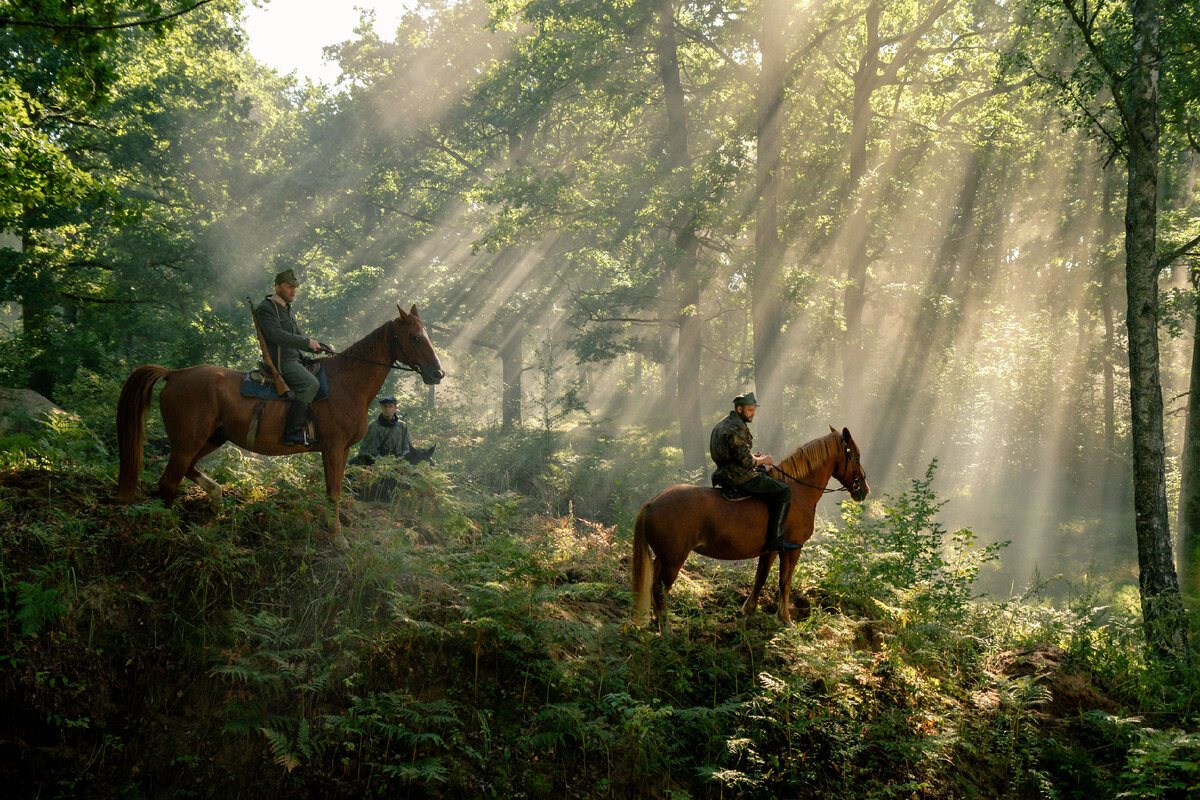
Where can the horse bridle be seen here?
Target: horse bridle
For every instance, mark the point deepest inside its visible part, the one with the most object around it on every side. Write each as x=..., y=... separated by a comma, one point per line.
x=396, y=345
x=852, y=488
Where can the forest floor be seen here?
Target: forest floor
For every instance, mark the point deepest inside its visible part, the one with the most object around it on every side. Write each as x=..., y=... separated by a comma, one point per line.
x=468, y=644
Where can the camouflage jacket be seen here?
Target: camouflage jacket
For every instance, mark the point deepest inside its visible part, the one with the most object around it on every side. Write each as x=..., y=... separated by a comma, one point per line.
x=385, y=440
x=281, y=331
x=731, y=446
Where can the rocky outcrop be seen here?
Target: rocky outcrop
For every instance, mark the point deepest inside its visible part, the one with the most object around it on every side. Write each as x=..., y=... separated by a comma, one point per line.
x=19, y=408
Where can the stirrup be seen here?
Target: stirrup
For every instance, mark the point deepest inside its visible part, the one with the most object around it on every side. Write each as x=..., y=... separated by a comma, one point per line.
x=304, y=441
x=784, y=545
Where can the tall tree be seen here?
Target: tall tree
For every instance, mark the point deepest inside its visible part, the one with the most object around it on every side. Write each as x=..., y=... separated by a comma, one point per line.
x=58, y=64
x=1162, y=607
x=1122, y=54
x=682, y=254
x=884, y=53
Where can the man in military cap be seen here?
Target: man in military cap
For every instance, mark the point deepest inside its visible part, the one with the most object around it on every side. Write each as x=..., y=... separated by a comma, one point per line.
x=731, y=446
x=387, y=435
x=285, y=341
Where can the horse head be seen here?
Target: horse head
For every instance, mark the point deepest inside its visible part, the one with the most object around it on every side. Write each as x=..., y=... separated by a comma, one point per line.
x=411, y=346
x=416, y=455
x=850, y=472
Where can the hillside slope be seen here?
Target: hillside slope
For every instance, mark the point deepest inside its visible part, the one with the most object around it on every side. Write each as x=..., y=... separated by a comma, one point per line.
x=469, y=645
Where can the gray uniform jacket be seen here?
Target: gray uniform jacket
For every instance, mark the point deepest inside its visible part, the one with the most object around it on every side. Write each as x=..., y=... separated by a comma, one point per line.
x=385, y=440
x=281, y=331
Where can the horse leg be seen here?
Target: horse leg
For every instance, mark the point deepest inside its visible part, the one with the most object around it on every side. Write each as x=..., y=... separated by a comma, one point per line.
x=211, y=487
x=760, y=579
x=177, y=467
x=787, y=564
x=664, y=578
x=334, y=462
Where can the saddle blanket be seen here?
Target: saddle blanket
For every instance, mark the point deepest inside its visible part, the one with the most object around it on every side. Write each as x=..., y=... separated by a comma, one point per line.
x=255, y=384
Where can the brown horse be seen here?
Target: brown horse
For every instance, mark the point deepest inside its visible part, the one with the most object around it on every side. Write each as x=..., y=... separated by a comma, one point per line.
x=686, y=518
x=202, y=408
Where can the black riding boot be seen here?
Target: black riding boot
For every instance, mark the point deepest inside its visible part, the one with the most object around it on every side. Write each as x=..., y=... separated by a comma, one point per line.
x=293, y=425
x=776, y=519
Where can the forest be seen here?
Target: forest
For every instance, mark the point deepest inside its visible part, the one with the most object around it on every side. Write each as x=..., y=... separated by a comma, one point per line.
x=966, y=231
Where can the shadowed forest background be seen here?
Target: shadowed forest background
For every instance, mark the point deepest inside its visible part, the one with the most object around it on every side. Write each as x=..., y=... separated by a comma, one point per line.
x=908, y=219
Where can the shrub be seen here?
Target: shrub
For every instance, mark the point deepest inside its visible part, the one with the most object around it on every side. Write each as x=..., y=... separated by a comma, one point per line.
x=901, y=560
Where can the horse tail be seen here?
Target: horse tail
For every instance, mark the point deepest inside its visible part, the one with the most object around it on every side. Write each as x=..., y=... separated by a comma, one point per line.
x=131, y=425
x=641, y=570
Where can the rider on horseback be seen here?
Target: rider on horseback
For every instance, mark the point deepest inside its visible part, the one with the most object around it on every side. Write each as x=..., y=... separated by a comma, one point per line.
x=387, y=435
x=731, y=446
x=283, y=336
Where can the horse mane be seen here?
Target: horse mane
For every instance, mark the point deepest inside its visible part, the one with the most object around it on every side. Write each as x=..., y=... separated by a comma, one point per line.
x=811, y=455
x=368, y=342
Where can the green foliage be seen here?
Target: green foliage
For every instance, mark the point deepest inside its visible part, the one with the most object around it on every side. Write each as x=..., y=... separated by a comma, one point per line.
x=472, y=643
x=402, y=741
x=1159, y=764
x=37, y=606
x=53, y=441
x=901, y=560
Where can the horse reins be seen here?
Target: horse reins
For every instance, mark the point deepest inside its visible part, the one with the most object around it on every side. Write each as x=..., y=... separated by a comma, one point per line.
x=853, y=485
x=392, y=365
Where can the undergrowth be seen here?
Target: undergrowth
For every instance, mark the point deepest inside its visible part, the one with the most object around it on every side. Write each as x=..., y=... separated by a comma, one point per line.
x=473, y=641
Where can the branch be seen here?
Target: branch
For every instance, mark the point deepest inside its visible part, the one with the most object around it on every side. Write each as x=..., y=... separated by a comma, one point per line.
x=1115, y=80
x=981, y=96
x=63, y=26
x=1168, y=259
x=432, y=142
x=399, y=212
x=104, y=300
x=1087, y=112
x=743, y=73
x=908, y=48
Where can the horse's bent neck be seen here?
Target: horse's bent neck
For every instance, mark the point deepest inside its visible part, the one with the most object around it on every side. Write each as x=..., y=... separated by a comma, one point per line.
x=362, y=367
x=812, y=463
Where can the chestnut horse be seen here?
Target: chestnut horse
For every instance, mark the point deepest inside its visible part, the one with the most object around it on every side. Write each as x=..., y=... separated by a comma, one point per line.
x=686, y=518
x=202, y=408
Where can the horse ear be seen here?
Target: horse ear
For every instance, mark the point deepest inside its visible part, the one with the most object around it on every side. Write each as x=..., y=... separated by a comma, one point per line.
x=413, y=311
x=846, y=436
x=832, y=429
x=403, y=316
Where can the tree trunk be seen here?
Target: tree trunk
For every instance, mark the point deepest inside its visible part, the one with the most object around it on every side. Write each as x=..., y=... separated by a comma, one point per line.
x=1108, y=231
x=1189, y=490
x=1162, y=606
x=766, y=305
x=512, y=366
x=853, y=354
x=37, y=331
x=683, y=264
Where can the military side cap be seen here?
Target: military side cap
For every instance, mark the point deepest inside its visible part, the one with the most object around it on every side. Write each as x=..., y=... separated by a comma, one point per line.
x=287, y=276
x=746, y=399
x=385, y=400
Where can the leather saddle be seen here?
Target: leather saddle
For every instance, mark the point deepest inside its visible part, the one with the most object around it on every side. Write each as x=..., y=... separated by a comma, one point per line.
x=256, y=383
x=729, y=491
